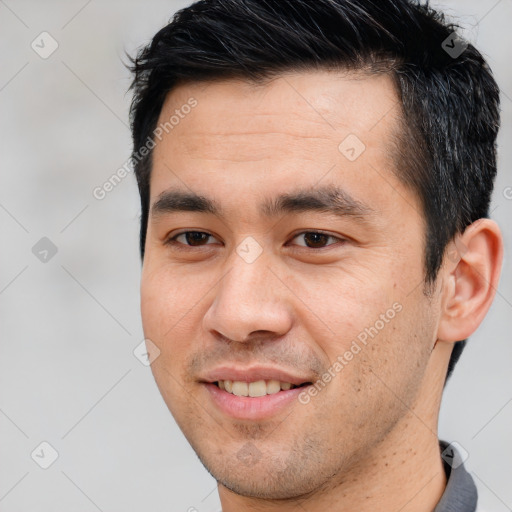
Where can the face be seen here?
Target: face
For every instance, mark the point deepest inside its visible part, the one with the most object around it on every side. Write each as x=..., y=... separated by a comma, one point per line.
x=281, y=247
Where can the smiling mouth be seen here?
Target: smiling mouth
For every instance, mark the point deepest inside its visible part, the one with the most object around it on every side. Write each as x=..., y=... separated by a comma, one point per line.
x=256, y=388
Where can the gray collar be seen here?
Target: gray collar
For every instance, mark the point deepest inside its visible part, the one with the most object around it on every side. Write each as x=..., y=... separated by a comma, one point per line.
x=460, y=494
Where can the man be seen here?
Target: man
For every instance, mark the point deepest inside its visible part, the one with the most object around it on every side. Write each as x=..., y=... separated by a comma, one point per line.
x=315, y=178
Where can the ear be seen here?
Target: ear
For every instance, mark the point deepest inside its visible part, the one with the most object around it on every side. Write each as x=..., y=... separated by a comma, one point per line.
x=471, y=268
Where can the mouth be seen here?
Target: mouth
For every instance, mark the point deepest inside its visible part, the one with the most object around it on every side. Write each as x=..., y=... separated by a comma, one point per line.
x=254, y=392
x=254, y=401
x=256, y=388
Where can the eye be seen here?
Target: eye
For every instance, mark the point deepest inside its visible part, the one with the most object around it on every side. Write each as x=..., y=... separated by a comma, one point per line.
x=190, y=238
x=309, y=239
x=316, y=239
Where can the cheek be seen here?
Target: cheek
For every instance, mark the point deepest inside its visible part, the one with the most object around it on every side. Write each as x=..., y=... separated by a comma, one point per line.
x=164, y=317
x=368, y=325
x=337, y=307
x=398, y=354
x=166, y=300
x=172, y=309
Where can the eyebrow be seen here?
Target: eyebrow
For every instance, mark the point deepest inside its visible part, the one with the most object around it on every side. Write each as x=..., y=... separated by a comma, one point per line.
x=327, y=199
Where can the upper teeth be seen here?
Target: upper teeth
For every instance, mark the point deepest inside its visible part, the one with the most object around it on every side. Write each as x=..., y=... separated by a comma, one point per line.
x=258, y=388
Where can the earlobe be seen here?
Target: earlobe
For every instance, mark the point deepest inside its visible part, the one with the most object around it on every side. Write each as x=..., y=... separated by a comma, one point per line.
x=472, y=264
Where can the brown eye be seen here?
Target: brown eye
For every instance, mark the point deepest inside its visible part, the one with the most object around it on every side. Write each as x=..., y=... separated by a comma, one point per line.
x=192, y=238
x=316, y=239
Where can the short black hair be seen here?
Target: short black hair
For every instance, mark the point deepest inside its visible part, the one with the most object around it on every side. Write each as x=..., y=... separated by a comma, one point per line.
x=446, y=151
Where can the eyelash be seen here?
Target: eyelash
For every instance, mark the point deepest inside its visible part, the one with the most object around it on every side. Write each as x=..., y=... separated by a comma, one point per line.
x=181, y=246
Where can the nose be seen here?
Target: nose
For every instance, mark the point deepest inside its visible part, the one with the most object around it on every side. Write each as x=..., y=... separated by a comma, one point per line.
x=250, y=300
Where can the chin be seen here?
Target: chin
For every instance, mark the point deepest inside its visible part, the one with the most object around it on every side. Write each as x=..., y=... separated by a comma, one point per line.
x=266, y=479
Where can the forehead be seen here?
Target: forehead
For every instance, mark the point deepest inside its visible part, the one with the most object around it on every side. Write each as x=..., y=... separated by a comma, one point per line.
x=294, y=129
x=326, y=101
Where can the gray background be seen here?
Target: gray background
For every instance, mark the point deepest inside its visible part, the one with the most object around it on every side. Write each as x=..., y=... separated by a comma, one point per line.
x=68, y=375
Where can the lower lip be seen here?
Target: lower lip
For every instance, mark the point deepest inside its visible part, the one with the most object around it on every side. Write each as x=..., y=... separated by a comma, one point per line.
x=252, y=408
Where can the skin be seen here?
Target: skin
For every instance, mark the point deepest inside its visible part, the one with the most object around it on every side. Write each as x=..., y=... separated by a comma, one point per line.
x=368, y=440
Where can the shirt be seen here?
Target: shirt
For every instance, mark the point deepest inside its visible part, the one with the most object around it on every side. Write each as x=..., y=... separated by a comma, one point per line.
x=460, y=494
